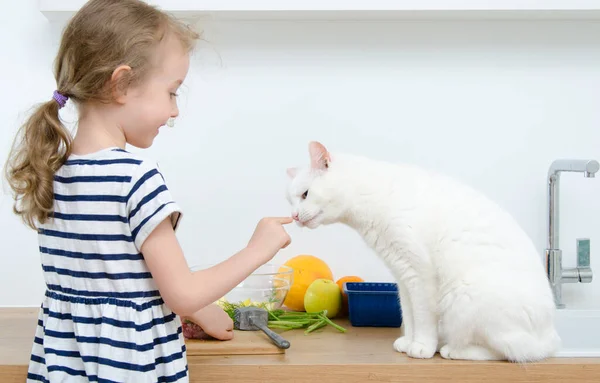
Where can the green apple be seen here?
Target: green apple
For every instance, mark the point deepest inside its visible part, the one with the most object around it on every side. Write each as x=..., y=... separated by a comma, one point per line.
x=323, y=294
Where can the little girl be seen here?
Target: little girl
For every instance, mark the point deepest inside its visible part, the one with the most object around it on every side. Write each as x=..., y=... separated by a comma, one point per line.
x=115, y=274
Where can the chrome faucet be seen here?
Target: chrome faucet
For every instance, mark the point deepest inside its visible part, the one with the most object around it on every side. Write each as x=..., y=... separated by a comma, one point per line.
x=556, y=274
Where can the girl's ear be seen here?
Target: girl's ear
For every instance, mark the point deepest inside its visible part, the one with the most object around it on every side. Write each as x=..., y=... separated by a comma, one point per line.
x=319, y=156
x=119, y=83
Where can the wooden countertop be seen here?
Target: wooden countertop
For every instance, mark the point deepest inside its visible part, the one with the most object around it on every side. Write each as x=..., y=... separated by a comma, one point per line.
x=360, y=355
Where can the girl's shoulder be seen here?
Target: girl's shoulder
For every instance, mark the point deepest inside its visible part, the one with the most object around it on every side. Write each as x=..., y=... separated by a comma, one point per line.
x=112, y=160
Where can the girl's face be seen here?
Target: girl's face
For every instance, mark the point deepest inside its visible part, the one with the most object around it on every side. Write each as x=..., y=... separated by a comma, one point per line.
x=149, y=105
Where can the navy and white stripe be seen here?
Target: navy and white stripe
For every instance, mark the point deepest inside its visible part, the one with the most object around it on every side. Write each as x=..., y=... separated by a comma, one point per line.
x=102, y=319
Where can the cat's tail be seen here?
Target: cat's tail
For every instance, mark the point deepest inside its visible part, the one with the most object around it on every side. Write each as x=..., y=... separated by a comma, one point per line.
x=522, y=346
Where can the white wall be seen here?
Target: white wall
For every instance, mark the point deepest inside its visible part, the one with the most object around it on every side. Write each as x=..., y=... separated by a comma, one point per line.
x=492, y=103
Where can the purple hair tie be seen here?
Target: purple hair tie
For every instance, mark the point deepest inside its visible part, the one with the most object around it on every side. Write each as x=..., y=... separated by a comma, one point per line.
x=61, y=99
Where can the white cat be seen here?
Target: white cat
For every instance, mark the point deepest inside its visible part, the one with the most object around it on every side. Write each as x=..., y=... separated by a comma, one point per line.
x=472, y=284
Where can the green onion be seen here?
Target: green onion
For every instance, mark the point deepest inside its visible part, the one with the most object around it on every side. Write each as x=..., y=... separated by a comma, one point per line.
x=288, y=320
x=315, y=326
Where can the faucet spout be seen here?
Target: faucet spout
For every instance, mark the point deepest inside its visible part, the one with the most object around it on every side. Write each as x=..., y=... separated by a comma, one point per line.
x=556, y=274
x=589, y=168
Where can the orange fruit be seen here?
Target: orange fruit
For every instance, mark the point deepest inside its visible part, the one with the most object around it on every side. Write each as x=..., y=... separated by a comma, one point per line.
x=307, y=269
x=350, y=278
x=340, y=282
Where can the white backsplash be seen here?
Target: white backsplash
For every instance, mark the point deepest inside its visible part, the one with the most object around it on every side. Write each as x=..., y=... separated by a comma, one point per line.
x=492, y=103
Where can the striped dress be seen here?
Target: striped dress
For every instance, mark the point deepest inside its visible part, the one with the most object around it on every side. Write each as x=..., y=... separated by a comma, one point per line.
x=102, y=318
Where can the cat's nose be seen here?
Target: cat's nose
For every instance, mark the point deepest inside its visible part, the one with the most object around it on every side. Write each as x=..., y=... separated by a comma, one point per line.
x=295, y=216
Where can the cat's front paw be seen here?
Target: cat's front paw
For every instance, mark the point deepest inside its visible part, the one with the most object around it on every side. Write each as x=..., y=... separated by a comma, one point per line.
x=401, y=344
x=421, y=350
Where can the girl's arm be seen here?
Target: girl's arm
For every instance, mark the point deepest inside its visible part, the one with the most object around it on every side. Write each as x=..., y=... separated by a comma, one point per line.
x=186, y=292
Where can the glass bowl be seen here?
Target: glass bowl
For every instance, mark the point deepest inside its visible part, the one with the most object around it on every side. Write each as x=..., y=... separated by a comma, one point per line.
x=266, y=287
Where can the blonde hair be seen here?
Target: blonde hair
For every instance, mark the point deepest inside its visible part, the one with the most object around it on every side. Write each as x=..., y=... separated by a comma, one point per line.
x=101, y=36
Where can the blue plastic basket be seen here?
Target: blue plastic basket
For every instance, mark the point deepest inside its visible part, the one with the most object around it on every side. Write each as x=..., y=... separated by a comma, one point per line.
x=373, y=304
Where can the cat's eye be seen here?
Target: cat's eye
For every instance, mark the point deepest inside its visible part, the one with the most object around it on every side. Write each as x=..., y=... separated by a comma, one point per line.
x=305, y=194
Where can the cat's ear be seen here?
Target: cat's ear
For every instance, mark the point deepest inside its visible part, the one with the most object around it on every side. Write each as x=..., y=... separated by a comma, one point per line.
x=319, y=156
x=291, y=172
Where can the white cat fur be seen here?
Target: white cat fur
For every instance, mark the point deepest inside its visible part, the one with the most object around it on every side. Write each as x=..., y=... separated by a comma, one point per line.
x=472, y=284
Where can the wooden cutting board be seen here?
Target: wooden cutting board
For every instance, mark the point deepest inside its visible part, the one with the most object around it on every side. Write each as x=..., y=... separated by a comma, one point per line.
x=243, y=343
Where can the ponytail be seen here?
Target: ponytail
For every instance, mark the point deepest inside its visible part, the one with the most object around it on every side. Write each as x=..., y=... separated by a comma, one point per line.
x=41, y=147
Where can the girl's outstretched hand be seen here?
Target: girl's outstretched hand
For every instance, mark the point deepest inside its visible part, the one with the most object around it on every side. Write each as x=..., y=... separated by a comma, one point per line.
x=269, y=236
